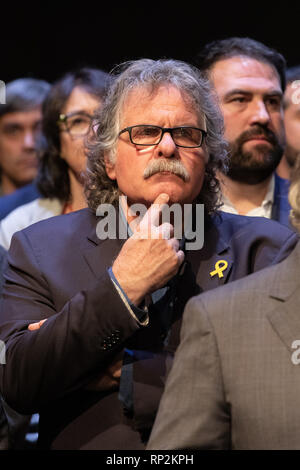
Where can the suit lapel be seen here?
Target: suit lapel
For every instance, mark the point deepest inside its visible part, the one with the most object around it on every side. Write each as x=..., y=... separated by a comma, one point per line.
x=219, y=268
x=208, y=262
x=285, y=297
x=285, y=321
x=100, y=254
x=100, y=257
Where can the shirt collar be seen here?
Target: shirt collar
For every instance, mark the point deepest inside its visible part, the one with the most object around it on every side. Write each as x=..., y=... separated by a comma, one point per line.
x=268, y=199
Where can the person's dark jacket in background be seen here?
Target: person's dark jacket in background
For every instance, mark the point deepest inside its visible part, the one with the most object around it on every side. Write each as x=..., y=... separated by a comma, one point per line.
x=4, y=444
x=281, y=206
x=19, y=197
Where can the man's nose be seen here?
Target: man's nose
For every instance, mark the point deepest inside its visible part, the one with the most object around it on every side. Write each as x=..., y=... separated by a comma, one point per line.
x=29, y=140
x=259, y=113
x=166, y=147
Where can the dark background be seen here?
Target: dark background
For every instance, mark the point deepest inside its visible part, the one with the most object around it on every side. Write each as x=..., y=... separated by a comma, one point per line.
x=46, y=40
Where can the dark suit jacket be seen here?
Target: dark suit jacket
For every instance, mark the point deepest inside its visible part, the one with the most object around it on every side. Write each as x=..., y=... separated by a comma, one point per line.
x=19, y=197
x=58, y=270
x=281, y=206
x=4, y=444
x=237, y=367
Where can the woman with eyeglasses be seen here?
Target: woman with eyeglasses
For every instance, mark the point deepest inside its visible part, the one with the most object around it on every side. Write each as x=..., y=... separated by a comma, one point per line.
x=67, y=116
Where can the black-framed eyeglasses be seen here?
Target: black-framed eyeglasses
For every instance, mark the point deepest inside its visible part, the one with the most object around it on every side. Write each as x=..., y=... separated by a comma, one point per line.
x=77, y=124
x=147, y=135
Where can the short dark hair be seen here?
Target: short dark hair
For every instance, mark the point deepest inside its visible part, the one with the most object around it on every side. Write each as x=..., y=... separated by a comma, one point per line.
x=53, y=178
x=24, y=94
x=293, y=73
x=235, y=46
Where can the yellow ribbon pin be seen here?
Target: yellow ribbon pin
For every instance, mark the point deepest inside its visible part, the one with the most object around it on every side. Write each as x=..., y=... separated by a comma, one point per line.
x=219, y=270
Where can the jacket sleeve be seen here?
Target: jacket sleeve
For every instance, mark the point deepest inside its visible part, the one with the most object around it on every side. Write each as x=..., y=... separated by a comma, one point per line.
x=193, y=413
x=69, y=348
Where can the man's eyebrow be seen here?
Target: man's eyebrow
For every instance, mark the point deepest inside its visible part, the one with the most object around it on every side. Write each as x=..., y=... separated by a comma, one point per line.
x=12, y=125
x=236, y=91
x=274, y=94
x=239, y=91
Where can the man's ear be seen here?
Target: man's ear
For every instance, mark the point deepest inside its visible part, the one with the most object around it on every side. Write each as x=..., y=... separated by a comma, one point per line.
x=110, y=168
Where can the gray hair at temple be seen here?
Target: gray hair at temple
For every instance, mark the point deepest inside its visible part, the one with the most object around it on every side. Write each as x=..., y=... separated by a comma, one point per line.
x=24, y=94
x=294, y=196
x=152, y=74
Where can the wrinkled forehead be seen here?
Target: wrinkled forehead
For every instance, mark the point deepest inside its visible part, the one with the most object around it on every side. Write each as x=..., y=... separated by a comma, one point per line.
x=141, y=98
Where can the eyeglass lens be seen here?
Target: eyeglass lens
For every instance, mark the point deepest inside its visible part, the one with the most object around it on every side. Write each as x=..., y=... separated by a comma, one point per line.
x=151, y=135
x=78, y=124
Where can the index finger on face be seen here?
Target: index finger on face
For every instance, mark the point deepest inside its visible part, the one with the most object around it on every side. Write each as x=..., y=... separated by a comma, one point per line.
x=152, y=215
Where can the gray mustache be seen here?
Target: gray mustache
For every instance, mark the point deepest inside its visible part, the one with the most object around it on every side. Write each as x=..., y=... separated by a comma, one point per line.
x=172, y=166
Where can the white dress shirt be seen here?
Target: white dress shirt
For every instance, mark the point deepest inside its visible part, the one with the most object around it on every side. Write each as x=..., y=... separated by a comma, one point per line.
x=264, y=210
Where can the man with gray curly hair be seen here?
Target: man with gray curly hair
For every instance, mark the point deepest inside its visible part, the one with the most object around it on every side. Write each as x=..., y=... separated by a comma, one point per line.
x=95, y=323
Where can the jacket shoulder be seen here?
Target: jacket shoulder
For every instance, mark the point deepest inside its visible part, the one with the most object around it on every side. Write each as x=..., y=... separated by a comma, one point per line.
x=69, y=227
x=19, y=197
x=231, y=225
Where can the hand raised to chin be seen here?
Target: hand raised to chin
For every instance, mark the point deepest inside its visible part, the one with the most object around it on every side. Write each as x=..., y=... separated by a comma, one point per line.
x=151, y=257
